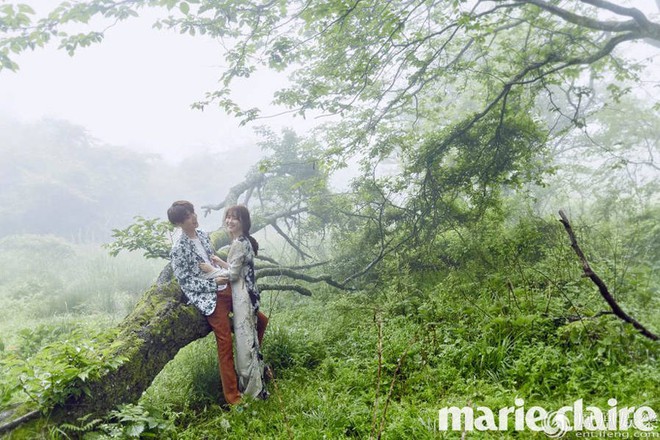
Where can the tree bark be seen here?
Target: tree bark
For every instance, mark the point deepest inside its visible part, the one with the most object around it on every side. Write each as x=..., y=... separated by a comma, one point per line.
x=159, y=326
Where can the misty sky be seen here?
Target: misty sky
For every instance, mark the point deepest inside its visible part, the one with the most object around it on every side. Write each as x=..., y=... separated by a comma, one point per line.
x=135, y=89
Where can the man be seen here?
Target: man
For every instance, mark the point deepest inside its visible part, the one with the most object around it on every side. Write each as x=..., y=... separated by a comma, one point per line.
x=211, y=296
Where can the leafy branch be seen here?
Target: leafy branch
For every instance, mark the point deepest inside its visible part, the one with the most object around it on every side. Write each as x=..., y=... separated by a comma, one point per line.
x=152, y=236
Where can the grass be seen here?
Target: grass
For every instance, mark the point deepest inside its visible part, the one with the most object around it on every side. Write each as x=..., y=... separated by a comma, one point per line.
x=443, y=341
x=47, y=282
x=324, y=350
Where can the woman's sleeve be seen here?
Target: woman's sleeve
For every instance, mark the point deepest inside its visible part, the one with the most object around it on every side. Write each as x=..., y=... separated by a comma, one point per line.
x=235, y=259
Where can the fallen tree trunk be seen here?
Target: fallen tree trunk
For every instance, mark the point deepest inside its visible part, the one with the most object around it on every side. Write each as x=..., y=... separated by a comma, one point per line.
x=157, y=328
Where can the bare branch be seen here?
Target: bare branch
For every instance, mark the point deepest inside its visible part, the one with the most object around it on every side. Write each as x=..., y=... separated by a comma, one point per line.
x=581, y=20
x=284, y=287
x=273, y=272
x=602, y=287
x=268, y=259
x=248, y=185
x=635, y=13
x=304, y=267
x=19, y=421
x=639, y=23
x=288, y=239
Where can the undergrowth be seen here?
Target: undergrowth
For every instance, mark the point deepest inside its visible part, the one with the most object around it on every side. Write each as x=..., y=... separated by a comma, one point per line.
x=514, y=321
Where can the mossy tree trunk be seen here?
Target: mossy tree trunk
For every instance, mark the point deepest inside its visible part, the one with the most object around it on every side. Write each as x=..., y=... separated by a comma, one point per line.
x=157, y=328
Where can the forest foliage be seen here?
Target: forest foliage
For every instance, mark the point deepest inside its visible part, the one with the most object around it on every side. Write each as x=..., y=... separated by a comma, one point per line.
x=441, y=276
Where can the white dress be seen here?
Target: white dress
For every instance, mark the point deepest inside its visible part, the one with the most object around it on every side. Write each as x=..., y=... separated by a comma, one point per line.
x=245, y=303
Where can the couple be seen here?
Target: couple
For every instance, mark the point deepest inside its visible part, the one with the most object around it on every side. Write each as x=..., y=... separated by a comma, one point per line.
x=217, y=288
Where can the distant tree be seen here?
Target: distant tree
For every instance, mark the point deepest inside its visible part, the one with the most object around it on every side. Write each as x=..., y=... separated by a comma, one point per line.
x=57, y=179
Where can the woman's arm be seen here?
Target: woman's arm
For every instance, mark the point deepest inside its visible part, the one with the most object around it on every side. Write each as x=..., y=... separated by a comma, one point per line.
x=236, y=258
x=219, y=261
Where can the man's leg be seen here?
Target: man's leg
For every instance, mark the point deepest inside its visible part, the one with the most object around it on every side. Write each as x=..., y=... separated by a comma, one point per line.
x=219, y=322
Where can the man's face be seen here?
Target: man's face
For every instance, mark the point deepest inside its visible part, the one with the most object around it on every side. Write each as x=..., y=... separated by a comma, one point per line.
x=190, y=223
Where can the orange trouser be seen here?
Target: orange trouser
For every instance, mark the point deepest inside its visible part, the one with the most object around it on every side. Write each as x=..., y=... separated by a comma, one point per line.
x=220, y=323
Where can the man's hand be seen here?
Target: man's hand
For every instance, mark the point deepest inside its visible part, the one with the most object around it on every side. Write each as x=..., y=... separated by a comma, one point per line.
x=206, y=268
x=221, y=280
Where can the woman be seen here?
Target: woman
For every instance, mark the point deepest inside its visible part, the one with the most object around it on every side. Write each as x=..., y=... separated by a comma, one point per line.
x=239, y=268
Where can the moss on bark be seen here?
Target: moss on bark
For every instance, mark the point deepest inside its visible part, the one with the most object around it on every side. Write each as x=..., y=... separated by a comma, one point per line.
x=159, y=326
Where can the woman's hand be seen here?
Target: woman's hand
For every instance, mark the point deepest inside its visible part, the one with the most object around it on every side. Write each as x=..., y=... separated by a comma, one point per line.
x=219, y=261
x=206, y=268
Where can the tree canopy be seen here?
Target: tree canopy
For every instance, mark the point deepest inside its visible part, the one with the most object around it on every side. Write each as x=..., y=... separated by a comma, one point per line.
x=463, y=99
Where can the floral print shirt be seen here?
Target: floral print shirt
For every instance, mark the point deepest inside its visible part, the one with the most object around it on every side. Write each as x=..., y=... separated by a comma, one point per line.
x=200, y=291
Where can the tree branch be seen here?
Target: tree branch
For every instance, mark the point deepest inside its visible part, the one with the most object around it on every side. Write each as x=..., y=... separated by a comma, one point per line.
x=604, y=291
x=19, y=421
x=639, y=23
x=276, y=265
x=249, y=184
x=267, y=259
x=284, y=287
x=279, y=230
x=287, y=272
x=580, y=20
x=634, y=13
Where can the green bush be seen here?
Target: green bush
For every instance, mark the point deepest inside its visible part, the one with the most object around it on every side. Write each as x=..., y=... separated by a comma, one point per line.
x=60, y=369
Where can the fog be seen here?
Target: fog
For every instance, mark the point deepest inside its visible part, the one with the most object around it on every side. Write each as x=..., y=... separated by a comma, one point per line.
x=131, y=95
x=135, y=89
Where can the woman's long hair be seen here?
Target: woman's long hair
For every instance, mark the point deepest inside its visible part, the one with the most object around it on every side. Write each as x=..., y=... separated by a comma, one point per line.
x=243, y=215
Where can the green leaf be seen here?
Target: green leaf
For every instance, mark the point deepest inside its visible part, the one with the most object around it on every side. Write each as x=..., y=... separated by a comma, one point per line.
x=25, y=9
x=135, y=429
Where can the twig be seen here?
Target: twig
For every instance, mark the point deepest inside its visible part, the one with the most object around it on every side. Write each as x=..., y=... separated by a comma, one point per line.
x=604, y=291
x=379, y=324
x=19, y=421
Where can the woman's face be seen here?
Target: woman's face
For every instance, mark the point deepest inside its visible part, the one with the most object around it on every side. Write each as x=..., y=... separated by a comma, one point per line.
x=233, y=225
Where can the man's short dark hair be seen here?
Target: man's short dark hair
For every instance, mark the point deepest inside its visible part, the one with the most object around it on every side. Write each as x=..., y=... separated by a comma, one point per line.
x=179, y=211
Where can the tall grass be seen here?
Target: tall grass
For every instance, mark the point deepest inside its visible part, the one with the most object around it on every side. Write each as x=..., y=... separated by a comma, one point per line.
x=47, y=282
